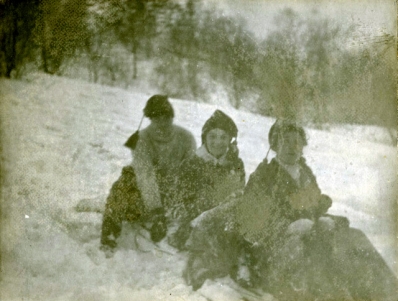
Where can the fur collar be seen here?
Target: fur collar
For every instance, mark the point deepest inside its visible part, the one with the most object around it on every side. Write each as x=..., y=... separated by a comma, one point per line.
x=158, y=137
x=202, y=152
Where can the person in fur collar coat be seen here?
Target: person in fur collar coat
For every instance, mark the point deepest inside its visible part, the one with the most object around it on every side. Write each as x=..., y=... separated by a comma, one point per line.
x=140, y=192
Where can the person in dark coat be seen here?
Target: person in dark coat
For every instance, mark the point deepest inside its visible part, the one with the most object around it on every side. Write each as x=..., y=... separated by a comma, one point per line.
x=296, y=250
x=208, y=183
x=140, y=192
x=208, y=178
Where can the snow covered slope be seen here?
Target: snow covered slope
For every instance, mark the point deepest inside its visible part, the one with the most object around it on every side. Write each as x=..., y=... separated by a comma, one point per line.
x=63, y=142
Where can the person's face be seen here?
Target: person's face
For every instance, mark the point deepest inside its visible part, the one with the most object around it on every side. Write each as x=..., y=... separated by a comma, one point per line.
x=217, y=142
x=290, y=147
x=163, y=125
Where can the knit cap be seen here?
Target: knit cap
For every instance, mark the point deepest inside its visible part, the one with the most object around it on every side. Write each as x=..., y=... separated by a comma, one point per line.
x=219, y=120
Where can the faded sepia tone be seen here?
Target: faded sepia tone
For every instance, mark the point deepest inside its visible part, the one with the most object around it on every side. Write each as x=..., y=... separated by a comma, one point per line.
x=75, y=77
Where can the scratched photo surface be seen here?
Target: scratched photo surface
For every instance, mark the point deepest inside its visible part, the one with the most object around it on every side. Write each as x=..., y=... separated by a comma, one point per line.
x=75, y=77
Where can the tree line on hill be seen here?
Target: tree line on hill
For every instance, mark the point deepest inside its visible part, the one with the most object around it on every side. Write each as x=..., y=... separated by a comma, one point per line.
x=302, y=69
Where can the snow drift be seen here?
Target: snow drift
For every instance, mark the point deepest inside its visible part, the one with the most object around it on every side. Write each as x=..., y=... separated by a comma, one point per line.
x=62, y=142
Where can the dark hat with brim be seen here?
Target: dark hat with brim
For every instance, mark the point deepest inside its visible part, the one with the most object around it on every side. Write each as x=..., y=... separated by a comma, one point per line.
x=284, y=126
x=157, y=106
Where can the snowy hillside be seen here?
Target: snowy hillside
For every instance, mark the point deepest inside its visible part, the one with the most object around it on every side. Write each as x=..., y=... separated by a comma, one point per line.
x=63, y=142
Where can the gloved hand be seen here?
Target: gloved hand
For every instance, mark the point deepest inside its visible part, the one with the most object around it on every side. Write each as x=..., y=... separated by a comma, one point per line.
x=340, y=221
x=159, y=225
x=108, y=248
x=325, y=203
x=300, y=227
x=324, y=224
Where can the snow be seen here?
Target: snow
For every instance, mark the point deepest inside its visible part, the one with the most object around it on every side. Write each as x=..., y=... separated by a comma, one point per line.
x=63, y=142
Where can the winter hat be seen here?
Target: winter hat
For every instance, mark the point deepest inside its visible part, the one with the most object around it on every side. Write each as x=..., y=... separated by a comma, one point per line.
x=219, y=120
x=283, y=126
x=157, y=106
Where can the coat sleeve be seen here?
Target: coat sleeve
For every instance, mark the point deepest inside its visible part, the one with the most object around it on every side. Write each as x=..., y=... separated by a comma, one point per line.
x=186, y=186
x=260, y=218
x=199, y=189
x=145, y=174
x=309, y=202
x=324, y=201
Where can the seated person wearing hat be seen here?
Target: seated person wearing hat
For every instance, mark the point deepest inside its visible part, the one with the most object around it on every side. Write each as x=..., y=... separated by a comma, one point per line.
x=140, y=191
x=209, y=177
x=297, y=251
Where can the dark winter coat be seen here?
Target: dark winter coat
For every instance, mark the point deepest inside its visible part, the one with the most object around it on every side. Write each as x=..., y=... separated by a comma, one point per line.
x=276, y=199
x=204, y=183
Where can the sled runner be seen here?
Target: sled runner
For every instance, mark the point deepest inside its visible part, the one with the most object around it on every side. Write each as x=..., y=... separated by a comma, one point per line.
x=96, y=204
